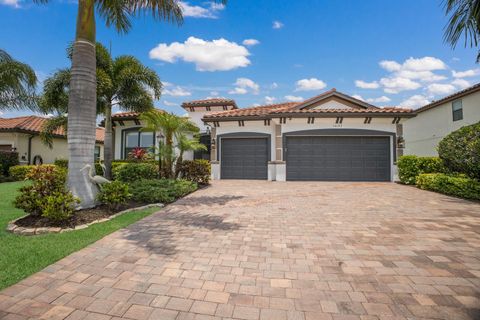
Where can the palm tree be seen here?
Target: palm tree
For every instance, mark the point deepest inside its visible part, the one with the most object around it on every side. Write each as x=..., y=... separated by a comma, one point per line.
x=82, y=90
x=464, y=21
x=184, y=143
x=172, y=127
x=17, y=84
x=123, y=82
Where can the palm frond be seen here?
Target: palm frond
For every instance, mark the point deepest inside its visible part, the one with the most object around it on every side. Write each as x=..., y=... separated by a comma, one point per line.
x=51, y=128
x=464, y=22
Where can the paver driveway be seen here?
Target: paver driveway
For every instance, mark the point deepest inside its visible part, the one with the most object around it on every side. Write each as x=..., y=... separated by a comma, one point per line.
x=262, y=250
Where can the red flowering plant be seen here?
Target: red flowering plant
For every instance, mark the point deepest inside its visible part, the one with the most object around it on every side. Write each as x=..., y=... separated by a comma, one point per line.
x=138, y=154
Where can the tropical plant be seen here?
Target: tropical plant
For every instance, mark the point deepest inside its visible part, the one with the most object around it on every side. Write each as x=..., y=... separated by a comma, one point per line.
x=82, y=89
x=114, y=194
x=464, y=22
x=184, y=143
x=17, y=84
x=172, y=127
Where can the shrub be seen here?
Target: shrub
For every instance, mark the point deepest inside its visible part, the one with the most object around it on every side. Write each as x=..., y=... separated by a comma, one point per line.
x=460, y=150
x=8, y=159
x=130, y=172
x=459, y=186
x=197, y=171
x=19, y=172
x=59, y=206
x=409, y=167
x=46, y=181
x=63, y=163
x=113, y=194
x=161, y=190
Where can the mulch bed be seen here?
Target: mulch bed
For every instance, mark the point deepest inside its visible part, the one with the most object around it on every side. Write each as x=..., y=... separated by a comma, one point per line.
x=80, y=217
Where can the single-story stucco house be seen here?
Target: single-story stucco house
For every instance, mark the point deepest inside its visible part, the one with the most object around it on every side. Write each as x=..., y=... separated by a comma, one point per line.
x=22, y=134
x=437, y=119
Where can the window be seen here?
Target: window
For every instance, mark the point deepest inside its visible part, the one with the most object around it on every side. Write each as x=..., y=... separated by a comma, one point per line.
x=457, y=110
x=97, y=153
x=137, y=139
x=203, y=154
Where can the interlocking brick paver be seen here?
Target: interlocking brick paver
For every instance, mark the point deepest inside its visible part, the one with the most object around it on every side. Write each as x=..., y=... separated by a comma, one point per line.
x=252, y=250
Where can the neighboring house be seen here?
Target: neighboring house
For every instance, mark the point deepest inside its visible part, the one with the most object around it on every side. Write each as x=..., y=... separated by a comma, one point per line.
x=437, y=119
x=330, y=137
x=22, y=134
x=128, y=134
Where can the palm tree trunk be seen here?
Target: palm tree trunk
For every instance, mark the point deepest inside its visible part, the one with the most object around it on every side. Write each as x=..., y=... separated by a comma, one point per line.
x=82, y=106
x=108, y=143
x=178, y=164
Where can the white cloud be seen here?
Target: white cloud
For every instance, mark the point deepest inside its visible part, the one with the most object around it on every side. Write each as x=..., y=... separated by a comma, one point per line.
x=427, y=76
x=201, y=12
x=461, y=83
x=440, y=89
x=294, y=98
x=245, y=85
x=466, y=73
x=390, y=65
x=176, y=91
x=415, y=101
x=214, y=93
x=13, y=3
x=358, y=97
x=397, y=84
x=310, y=84
x=250, y=42
x=274, y=85
x=215, y=55
x=381, y=99
x=270, y=100
x=366, y=85
x=277, y=25
x=169, y=104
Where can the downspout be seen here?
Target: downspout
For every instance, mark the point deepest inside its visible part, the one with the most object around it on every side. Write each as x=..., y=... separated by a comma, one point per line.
x=29, y=152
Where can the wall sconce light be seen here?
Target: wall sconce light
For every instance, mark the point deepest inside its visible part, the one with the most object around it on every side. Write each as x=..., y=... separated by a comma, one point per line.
x=400, y=142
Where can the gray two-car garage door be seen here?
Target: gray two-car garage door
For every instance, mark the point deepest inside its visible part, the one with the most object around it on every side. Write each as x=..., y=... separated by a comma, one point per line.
x=244, y=158
x=338, y=158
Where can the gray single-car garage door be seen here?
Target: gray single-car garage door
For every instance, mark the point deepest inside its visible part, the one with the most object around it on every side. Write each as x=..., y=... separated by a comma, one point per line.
x=338, y=158
x=244, y=158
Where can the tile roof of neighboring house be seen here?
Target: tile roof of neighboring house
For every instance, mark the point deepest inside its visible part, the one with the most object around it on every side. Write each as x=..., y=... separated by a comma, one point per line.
x=299, y=109
x=34, y=124
x=456, y=95
x=210, y=102
x=129, y=115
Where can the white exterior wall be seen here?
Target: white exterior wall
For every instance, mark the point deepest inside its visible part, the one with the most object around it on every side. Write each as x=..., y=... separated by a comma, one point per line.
x=20, y=142
x=423, y=133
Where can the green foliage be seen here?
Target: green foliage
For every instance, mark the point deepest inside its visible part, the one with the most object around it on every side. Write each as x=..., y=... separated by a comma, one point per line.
x=130, y=172
x=8, y=159
x=59, y=206
x=161, y=190
x=460, y=150
x=46, y=180
x=459, y=186
x=197, y=171
x=409, y=167
x=20, y=172
x=114, y=194
x=63, y=163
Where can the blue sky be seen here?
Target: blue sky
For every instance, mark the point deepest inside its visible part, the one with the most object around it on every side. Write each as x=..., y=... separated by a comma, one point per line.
x=386, y=52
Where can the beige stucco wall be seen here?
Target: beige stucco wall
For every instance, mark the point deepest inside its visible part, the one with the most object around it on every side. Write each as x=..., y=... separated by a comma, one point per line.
x=20, y=142
x=423, y=133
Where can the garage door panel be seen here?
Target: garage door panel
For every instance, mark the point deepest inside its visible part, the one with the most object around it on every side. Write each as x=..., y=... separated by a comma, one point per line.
x=337, y=158
x=244, y=158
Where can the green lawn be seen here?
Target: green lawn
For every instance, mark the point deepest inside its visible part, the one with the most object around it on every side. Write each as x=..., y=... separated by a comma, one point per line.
x=21, y=256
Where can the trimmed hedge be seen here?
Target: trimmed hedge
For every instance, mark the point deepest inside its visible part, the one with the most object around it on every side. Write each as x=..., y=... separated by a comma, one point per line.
x=160, y=190
x=61, y=163
x=196, y=171
x=8, y=159
x=460, y=150
x=130, y=172
x=20, y=172
x=459, y=186
x=410, y=167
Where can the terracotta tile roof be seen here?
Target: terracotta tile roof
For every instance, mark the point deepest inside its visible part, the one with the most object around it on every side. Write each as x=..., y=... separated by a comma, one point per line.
x=210, y=102
x=456, y=95
x=34, y=124
x=129, y=115
x=254, y=111
x=348, y=110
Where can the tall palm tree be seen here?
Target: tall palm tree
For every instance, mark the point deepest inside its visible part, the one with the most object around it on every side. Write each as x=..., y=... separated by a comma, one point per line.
x=464, y=21
x=82, y=90
x=17, y=83
x=172, y=127
x=123, y=82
